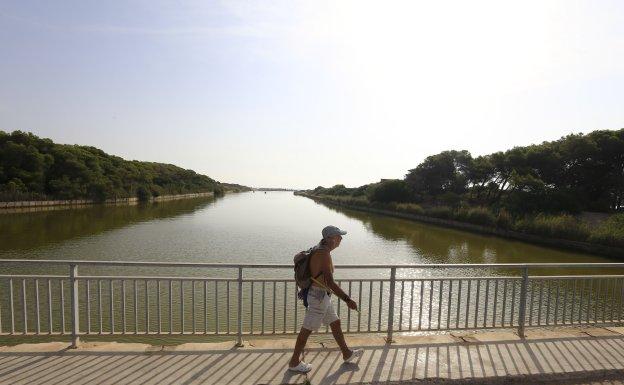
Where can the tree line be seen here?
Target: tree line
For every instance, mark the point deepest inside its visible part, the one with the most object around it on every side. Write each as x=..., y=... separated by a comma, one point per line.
x=579, y=172
x=33, y=168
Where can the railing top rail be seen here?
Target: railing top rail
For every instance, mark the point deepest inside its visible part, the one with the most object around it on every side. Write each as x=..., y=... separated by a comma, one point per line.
x=290, y=266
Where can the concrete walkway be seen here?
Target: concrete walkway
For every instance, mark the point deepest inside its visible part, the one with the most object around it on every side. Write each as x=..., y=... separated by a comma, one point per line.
x=564, y=356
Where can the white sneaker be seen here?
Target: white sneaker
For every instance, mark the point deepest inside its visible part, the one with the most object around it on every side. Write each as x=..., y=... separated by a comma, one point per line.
x=355, y=353
x=301, y=368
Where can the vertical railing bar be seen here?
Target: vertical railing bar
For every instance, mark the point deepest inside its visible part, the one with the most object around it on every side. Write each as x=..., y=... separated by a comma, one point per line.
x=557, y=302
x=604, y=306
x=448, y=305
x=487, y=300
x=136, y=307
x=430, y=309
x=24, y=308
x=589, y=289
x=227, y=305
x=263, y=299
x=495, y=304
x=607, y=298
x=531, y=290
x=597, y=301
x=380, y=303
x=88, y=302
x=170, y=307
x=158, y=306
x=440, y=303
x=285, y=301
x=370, y=303
x=513, y=302
x=523, y=298
x=400, y=305
x=12, y=306
x=252, y=307
x=274, y=304
x=564, y=309
x=205, y=307
x=99, y=282
x=391, y=304
x=359, y=306
x=589, y=298
x=468, y=303
x=37, y=306
x=411, y=310
x=193, y=305
x=216, y=297
x=568, y=293
x=621, y=300
x=240, y=307
x=612, y=307
x=504, y=307
x=581, y=300
x=181, y=307
x=124, y=321
x=147, y=306
x=50, y=323
x=112, y=303
x=62, y=308
x=548, y=302
x=541, y=299
x=75, y=306
x=349, y=310
x=478, y=295
x=573, y=301
x=459, y=290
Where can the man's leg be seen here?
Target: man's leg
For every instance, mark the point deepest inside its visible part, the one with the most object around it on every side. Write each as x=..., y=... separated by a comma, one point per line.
x=340, y=340
x=302, y=338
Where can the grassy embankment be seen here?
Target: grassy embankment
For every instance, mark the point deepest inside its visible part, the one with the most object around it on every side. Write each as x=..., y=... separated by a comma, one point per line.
x=563, y=226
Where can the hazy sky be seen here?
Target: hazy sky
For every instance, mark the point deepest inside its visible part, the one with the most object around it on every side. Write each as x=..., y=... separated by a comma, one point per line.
x=300, y=94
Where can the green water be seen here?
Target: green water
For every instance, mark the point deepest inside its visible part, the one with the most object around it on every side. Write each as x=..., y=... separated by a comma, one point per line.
x=238, y=228
x=249, y=227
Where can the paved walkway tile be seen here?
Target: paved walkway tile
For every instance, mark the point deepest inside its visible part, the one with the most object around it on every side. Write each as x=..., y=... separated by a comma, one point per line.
x=449, y=357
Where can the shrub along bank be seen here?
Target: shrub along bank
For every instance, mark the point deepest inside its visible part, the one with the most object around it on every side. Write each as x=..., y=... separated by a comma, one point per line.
x=37, y=169
x=551, y=226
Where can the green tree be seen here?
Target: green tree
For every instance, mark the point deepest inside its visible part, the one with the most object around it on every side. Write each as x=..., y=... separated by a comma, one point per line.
x=389, y=190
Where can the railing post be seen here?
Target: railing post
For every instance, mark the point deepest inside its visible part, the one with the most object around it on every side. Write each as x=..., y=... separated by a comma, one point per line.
x=239, y=339
x=391, y=305
x=75, y=318
x=523, y=300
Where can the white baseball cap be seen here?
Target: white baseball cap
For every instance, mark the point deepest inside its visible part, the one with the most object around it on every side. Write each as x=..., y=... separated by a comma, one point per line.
x=330, y=231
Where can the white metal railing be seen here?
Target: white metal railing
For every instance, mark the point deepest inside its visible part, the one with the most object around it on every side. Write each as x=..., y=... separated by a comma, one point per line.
x=76, y=305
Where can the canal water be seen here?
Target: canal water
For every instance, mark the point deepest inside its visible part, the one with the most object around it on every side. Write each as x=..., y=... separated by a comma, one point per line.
x=251, y=228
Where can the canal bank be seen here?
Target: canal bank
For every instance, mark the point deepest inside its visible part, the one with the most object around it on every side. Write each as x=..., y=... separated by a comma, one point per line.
x=6, y=206
x=545, y=356
x=584, y=247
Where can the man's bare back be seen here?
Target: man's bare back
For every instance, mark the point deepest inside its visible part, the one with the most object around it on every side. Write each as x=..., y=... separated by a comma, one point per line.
x=320, y=263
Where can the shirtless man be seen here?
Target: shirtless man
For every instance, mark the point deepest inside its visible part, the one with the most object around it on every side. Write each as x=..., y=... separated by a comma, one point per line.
x=320, y=309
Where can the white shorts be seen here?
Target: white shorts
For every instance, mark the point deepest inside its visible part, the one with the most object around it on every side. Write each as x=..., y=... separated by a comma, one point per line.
x=320, y=309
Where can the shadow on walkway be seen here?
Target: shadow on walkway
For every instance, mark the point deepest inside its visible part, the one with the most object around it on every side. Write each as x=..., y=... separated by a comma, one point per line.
x=504, y=361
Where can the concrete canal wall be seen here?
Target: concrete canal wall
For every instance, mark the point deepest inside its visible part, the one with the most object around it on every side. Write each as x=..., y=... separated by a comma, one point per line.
x=80, y=202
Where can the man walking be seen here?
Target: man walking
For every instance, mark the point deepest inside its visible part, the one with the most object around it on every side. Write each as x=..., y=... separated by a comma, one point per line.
x=320, y=309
